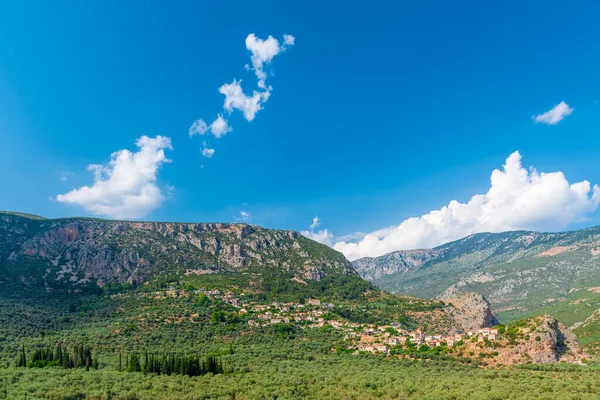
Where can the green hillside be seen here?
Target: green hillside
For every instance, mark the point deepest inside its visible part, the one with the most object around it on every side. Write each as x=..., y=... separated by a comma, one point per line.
x=96, y=309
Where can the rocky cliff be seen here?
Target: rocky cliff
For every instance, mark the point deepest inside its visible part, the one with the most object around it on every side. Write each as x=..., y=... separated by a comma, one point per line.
x=470, y=311
x=397, y=262
x=547, y=341
x=80, y=250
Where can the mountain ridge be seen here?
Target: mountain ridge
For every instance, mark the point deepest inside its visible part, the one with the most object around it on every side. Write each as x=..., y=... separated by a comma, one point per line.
x=84, y=250
x=517, y=271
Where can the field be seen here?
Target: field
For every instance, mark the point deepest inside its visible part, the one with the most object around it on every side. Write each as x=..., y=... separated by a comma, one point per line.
x=276, y=376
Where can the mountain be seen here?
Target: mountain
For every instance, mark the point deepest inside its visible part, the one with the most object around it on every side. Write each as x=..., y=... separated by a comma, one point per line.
x=83, y=251
x=519, y=272
x=93, y=308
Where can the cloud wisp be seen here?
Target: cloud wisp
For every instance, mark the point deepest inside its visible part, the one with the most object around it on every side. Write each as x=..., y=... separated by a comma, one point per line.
x=554, y=116
x=245, y=216
x=316, y=222
x=125, y=188
x=262, y=52
x=517, y=199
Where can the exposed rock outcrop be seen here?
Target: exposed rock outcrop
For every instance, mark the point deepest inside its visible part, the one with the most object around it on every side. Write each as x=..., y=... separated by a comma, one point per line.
x=471, y=311
x=548, y=341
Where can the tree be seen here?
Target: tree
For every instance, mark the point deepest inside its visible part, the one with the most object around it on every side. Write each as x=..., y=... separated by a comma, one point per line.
x=22, y=361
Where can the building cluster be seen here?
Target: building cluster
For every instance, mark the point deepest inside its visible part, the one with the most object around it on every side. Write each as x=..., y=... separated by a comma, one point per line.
x=363, y=338
x=380, y=339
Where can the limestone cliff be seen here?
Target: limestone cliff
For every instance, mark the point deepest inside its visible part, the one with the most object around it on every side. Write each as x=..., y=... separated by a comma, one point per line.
x=471, y=311
x=544, y=340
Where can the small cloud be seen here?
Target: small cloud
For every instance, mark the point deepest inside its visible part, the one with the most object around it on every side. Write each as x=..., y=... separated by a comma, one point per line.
x=199, y=127
x=323, y=236
x=263, y=52
x=554, y=116
x=207, y=152
x=64, y=176
x=316, y=222
x=236, y=99
x=245, y=216
x=288, y=40
x=220, y=127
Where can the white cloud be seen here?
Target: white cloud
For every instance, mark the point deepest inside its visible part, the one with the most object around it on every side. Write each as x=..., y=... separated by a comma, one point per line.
x=126, y=187
x=199, y=127
x=288, y=40
x=322, y=236
x=220, y=127
x=316, y=222
x=263, y=52
x=554, y=116
x=245, y=216
x=235, y=99
x=206, y=151
x=517, y=199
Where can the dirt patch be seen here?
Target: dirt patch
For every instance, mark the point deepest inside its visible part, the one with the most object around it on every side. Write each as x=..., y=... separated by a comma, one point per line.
x=556, y=250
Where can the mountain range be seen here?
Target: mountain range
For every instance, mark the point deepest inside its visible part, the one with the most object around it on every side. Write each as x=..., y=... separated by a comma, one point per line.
x=93, y=251
x=519, y=272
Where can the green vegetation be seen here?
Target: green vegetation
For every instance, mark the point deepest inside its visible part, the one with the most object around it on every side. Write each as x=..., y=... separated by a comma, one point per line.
x=521, y=273
x=168, y=334
x=322, y=377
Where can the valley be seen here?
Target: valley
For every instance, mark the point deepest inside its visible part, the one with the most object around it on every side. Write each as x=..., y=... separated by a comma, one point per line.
x=225, y=311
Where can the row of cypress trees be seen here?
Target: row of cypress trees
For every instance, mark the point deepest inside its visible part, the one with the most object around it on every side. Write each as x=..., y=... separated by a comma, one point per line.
x=81, y=357
x=60, y=356
x=171, y=364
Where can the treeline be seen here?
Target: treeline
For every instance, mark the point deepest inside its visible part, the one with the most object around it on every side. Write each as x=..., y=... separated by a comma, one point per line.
x=171, y=364
x=59, y=356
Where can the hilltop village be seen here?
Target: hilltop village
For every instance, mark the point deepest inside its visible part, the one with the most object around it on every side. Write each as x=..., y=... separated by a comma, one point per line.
x=314, y=313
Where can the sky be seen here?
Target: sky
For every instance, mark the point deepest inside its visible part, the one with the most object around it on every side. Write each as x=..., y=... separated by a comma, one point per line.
x=371, y=127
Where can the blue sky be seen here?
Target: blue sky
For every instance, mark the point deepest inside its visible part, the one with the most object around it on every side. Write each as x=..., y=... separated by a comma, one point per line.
x=378, y=112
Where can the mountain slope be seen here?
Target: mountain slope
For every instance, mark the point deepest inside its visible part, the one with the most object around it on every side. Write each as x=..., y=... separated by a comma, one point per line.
x=90, y=251
x=518, y=271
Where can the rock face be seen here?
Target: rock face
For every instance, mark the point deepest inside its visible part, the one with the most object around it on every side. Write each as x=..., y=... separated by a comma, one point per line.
x=471, y=311
x=80, y=250
x=549, y=343
x=397, y=262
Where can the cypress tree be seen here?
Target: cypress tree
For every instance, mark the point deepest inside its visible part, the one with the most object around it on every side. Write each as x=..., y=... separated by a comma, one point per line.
x=24, y=356
x=146, y=367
